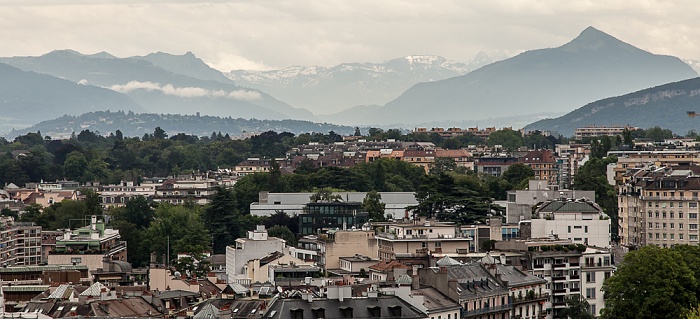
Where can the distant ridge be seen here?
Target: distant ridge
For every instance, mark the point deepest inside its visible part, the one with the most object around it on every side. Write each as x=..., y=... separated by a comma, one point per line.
x=665, y=106
x=136, y=125
x=27, y=98
x=592, y=66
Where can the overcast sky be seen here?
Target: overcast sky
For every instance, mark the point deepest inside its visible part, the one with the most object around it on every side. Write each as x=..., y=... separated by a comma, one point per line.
x=263, y=34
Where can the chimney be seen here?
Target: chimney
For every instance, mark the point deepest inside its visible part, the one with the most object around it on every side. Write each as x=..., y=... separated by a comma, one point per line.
x=93, y=222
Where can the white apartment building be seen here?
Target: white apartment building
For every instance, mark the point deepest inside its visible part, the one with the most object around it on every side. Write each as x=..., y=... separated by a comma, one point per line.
x=520, y=202
x=581, y=221
x=256, y=246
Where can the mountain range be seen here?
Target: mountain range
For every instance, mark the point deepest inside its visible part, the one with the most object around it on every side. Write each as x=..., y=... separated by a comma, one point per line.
x=592, y=66
x=28, y=97
x=162, y=83
x=665, y=106
x=327, y=90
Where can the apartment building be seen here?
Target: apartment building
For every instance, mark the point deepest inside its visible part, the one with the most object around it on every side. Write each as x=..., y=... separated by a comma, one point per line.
x=595, y=131
x=571, y=270
x=20, y=243
x=581, y=221
x=89, y=245
x=543, y=165
x=659, y=206
x=520, y=202
x=420, y=236
x=197, y=189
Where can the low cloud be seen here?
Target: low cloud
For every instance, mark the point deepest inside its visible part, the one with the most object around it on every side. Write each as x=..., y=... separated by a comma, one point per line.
x=186, y=92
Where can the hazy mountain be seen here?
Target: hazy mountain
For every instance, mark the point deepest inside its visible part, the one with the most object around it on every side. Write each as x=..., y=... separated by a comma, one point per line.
x=27, y=98
x=327, y=90
x=159, y=90
x=665, y=106
x=695, y=64
x=592, y=66
x=132, y=124
x=187, y=64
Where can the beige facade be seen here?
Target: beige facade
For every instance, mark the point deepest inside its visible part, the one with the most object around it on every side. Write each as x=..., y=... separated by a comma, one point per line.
x=420, y=236
x=345, y=242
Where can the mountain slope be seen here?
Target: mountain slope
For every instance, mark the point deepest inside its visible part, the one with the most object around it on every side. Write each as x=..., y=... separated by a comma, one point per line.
x=187, y=64
x=329, y=90
x=665, y=106
x=27, y=98
x=159, y=90
x=592, y=66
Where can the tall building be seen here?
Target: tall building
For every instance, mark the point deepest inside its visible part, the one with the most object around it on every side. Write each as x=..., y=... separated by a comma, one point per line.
x=581, y=221
x=20, y=243
x=659, y=206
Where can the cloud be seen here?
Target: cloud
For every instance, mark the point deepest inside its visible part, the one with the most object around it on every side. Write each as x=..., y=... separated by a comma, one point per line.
x=186, y=92
x=263, y=34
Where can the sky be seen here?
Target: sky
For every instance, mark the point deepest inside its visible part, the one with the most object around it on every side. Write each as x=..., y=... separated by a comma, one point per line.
x=271, y=34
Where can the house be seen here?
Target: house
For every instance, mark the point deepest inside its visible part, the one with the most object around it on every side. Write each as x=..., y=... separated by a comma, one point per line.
x=257, y=245
x=387, y=270
x=419, y=235
x=479, y=293
x=89, y=246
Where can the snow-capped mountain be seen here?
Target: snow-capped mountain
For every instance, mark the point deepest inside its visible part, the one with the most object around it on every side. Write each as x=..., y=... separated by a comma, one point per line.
x=325, y=90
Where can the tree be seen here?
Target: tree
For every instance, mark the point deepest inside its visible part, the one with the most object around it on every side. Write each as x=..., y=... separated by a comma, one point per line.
x=221, y=217
x=160, y=134
x=374, y=206
x=509, y=139
x=650, y=283
x=442, y=165
x=518, y=175
x=182, y=227
x=283, y=232
x=576, y=308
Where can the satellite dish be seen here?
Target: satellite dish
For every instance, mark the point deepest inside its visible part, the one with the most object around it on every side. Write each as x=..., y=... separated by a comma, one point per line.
x=279, y=289
x=177, y=274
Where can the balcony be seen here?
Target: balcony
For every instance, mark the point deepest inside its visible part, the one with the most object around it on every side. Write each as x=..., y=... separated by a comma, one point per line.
x=530, y=298
x=487, y=310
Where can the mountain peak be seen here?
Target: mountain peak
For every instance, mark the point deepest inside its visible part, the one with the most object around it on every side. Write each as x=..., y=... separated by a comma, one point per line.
x=594, y=39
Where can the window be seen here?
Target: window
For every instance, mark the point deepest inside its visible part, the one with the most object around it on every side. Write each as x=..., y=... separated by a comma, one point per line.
x=680, y=236
x=590, y=293
x=693, y=205
x=590, y=277
x=680, y=204
x=585, y=229
x=664, y=214
x=664, y=225
x=657, y=214
x=657, y=235
x=693, y=237
x=671, y=214
x=671, y=225
x=569, y=229
x=650, y=214
x=657, y=225
x=593, y=310
x=693, y=226
x=76, y=260
x=671, y=205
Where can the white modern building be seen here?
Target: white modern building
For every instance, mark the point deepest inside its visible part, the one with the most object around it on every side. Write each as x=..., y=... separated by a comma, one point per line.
x=581, y=221
x=293, y=203
x=520, y=202
x=256, y=246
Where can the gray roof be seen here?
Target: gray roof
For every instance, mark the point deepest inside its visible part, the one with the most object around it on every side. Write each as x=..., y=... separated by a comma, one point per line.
x=434, y=300
x=360, y=307
x=404, y=280
x=518, y=278
x=208, y=312
x=238, y=288
x=447, y=261
x=42, y=268
x=95, y=290
x=474, y=281
x=569, y=207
